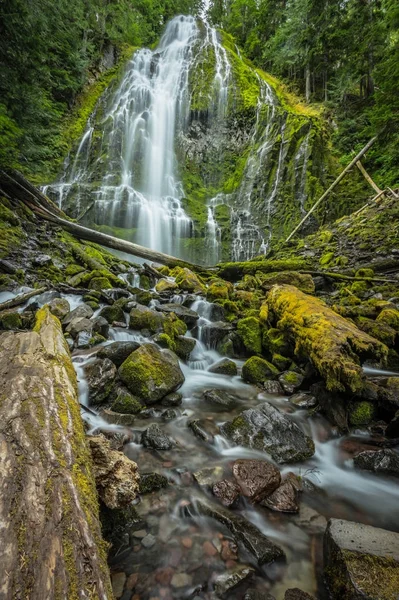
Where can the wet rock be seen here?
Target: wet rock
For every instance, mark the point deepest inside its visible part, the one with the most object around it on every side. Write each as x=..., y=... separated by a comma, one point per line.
x=101, y=326
x=297, y=594
x=118, y=584
x=213, y=333
x=100, y=376
x=384, y=461
x=332, y=405
x=174, y=399
x=112, y=313
x=258, y=370
x=116, y=418
x=266, y=428
x=42, y=259
x=170, y=414
x=181, y=580
x=165, y=285
x=124, y=402
x=227, y=582
x=80, y=325
x=208, y=476
x=220, y=400
x=116, y=476
x=204, y=430
x=257, y=479
x=149, y=541
x=83, y=310
x=190, y=317
x=150, y=482
x=184, y=346
x=283, y=499
x=118, y=352
x=303, y=400
x=142, y=317
x=225, y=366
x=151, y=374
x=155, y=438
x=227, y=492
x=290, y=381
x=256, y=595
x=361, y=561
x=59, y=307
x=273, y=387
x=243, y=531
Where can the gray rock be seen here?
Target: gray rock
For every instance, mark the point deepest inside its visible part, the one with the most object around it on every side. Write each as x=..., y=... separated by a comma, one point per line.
x=116, y=418
x=213, y=333
x=101, y=326
x=243, y=531
x=184, y=346
x=204, y=430
x=155, y=438
x=149, y=541
x=170, y=414
x=361, y=561
x=118, y=352
x=303, y=400
x=257, y=479
x=273, y=387
x=83, y=339
x=227, y=582
x=173, y=399
x=227, y=492
x=83, y=310
x=226, y=366
x=190, y=317
x=113, y=314
x=78, y=325
x=290, y=381
x=266, y=428
x=59, y=307
x=220, y=399
x=100, y=376
x=384, y=461
x=42, y=259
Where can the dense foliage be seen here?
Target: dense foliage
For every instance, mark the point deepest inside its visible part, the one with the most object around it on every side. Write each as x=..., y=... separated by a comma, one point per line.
x=343, y=54
x=49, y=51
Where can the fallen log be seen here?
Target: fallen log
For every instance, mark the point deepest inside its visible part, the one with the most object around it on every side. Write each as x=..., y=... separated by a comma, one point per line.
x=335, y=346
x=50, y=535
x=21, y=299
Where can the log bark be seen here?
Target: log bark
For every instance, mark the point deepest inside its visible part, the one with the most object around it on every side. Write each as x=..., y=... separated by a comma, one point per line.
x=21, y=299
x=50, y=536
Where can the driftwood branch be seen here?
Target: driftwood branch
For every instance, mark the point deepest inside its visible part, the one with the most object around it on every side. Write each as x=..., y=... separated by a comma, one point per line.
x=368, y=178
x=332, y=186
x=21, y=299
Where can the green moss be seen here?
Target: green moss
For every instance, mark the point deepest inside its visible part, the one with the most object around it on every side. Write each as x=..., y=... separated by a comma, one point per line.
x=165, y=341
x=326, y=259
x=365, y=273
x=236, y=270
x=378, y=330
x=282, y=363
x=257, y=370
x=249, y=330
x=218, y=290
x=11, y=233
x=146, y=319
x=126, y=404
x=361, y=413
x=151, y=482
x=100, y=283
x=389, y=316
x=275, y=341
x=173, y=326
x=10, y=321
x=187, y=280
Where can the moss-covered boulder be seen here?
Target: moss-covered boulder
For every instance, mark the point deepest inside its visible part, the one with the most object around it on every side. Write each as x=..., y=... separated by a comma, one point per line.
x=335, y=346
x=150, y=373
x=113, y=314
x=100, y=283
x=258, y=370
x=184, y=346
x=290, y=381
x=187, y=280
x=302, y=281
x=361, y=413
x=10, y=320
x=125, y=403
x=361, y=561
x=390, y=317
x=165, y=285
x=142, y=317
x=249, y=330
x=218, y=290
x=225, y=366
x=275, y=341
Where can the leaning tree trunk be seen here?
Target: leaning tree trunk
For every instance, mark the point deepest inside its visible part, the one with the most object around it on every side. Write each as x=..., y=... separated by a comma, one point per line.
x=50, y=536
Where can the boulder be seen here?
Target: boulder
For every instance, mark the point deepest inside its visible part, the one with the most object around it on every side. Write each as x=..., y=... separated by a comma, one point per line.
x=59, y=307
x=113, y=314
x=187, y=280
x=213, y=333
x=249, y=330
x=273, y=387
x=227, y=492
x=142, y=317
x=220, y=400
x=100, y=326
x=118, y=352
x=257, y=479
x=265, y=428
x=361, y=561
x=83, y=310
x=284, y=498
x=165, y=285
x=155, y=438
x=79, y=325
x=124, y=402
x=190, y=317
x=290, y=381
x=204, y=430
x=227, y=582
x=115, y=418
x=150, y=373
x=100, y=376
x=173, y=399
x=385, y=461
x=184, y=346
x=116, y=476
x=258, y=370
x=264, y=550
x=225, y=366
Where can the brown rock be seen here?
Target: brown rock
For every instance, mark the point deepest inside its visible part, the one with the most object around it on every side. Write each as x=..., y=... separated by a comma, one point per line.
x=209, y=549
x=256, y=478
x=283, y=499
x=297, y=594
x=132, y=581
x=164, y=576
x=116, y=476
x=227, y=491
x=187, y=542
x=229, y=550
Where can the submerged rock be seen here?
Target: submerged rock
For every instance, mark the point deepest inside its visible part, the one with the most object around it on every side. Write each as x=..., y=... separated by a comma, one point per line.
x=227, y=582
x=303, y=400
x=151, y=374
x=155, y=438
x=150, y=482
x=361, y=561
x=100, y=376
x=220, y=399
x=266, y=428
x=117, y=479
x=243, y=531
x=257, y=479
x=225, y=366
x=383, y=461
x=208, y=476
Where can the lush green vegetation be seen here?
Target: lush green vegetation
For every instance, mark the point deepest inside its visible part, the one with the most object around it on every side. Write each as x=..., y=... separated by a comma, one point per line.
x=344, y=55
x=50, y=52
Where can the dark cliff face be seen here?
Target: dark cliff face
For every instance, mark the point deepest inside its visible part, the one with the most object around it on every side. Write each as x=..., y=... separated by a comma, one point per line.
x=248, y=160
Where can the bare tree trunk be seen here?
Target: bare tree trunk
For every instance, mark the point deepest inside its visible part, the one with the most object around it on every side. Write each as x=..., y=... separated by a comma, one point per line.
x=307, y=83
x=50, y=537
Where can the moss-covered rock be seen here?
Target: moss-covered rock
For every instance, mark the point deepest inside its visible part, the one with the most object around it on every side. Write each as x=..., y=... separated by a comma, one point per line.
x=187, y=280
x=275, y=341
x=100, y=283
x=165, y=285
x=378, y=329
x=249, y=330
x=125, y=403
x=302, y=281
x=150, y=374
x=142, y=317
x=258, y=370
x=151, y=482
x=113, y=314
x=218, y=290
x=361, y=413
x=390, y=317
x=10, y=320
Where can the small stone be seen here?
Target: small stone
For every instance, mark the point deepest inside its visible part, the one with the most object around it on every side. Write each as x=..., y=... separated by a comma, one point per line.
x=155, y=438
x=164, y=576
x=303, y=400
x=132, y=581
x=209, y=549
x=149, y=541
x=226, y=491
x=208, y=476
x=290, y=381
x=140, y=534
x=227, y=582
x=257, y=479
x=273, y=387
x=283, y=499
x=180, y=580
x=118, y=584
x=187, y=542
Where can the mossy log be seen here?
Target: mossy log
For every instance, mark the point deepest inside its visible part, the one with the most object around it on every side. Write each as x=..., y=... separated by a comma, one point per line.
x=335, y=346
x=50, y=538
